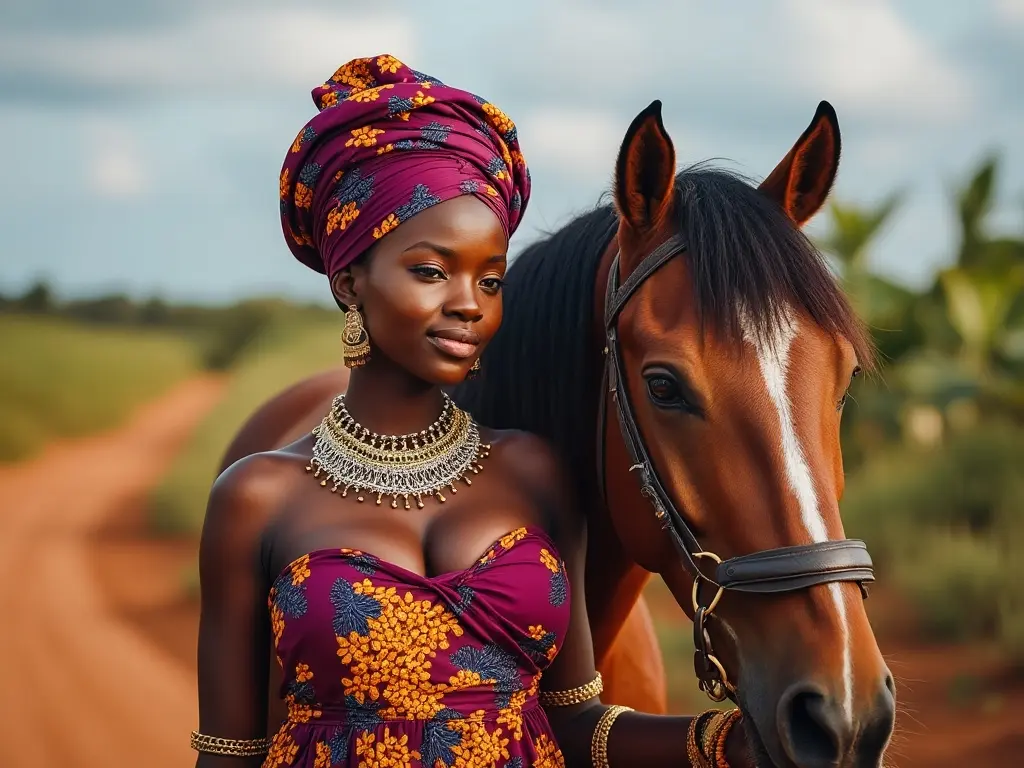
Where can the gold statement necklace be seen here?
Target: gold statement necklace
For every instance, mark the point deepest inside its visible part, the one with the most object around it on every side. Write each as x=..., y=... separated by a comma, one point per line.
x=409, y=467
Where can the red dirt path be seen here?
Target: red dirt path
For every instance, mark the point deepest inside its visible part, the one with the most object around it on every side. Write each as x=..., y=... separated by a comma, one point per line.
x=82, y=687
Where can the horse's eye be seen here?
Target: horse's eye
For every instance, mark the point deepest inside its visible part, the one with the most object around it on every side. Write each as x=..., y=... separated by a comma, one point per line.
x=664, y=391
x=846, y=394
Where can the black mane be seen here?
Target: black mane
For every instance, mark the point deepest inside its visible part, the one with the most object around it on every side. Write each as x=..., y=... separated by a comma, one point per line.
x=541, y=372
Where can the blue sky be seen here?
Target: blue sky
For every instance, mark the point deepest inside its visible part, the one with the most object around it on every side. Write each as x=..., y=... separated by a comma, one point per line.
x=143, y=139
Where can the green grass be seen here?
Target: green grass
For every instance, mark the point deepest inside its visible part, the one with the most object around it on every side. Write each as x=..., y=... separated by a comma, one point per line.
x=59, y=378
x=281, y=356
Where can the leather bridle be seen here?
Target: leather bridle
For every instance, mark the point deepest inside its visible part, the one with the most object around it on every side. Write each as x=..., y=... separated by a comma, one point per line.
x=772, y=571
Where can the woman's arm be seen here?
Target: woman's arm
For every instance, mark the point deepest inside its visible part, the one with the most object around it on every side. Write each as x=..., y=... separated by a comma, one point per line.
x=635, y=738
x=234, y=631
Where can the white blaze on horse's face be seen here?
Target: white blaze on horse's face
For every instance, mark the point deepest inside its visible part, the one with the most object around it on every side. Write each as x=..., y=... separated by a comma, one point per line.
x=773, y=357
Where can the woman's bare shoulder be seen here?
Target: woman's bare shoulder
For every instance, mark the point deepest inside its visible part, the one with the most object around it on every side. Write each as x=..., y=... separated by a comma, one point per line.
x=246, y=497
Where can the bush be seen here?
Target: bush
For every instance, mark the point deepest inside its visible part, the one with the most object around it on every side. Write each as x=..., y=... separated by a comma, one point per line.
x=954, y=580
x=948, y=526
x=233, y=331
x=1010, y=535
x=63, y=379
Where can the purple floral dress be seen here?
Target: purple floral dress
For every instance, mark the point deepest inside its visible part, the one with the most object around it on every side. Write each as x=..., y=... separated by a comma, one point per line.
x=384, y=667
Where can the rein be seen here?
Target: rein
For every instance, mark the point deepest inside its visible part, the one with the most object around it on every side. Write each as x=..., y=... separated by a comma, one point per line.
x=771, y=571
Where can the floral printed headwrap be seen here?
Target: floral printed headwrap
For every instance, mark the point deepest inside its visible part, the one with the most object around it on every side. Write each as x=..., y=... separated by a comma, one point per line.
x=388, y=143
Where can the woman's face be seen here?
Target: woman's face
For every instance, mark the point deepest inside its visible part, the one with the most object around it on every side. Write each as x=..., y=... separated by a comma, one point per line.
x=430, y=291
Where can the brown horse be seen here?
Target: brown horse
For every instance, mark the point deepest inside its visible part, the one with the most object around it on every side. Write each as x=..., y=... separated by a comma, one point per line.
x=736, y=348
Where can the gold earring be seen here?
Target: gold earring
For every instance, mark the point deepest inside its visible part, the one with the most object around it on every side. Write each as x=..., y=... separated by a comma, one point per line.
x=474, y=369
x=355, y=341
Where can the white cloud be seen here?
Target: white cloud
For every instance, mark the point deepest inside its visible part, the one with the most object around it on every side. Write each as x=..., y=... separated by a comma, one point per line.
x=864, y=56
x=116, y=172
x=114, y=163
x=867, y=56
x=229, y=52
x=574, y=141
x=1011, y=11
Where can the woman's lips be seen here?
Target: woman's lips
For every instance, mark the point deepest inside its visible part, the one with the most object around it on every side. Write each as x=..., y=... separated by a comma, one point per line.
x=457, y=342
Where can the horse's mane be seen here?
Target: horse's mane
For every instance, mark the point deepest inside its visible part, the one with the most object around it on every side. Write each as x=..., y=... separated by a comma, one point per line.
x=540, y=373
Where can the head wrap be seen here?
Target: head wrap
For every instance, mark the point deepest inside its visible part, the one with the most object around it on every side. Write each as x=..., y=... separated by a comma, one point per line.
x=388, y=143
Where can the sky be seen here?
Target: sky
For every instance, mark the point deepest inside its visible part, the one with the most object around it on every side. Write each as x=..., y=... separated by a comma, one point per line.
x=143, y=138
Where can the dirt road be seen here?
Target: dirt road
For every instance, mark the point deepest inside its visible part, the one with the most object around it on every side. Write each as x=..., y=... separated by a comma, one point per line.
x=81, y=688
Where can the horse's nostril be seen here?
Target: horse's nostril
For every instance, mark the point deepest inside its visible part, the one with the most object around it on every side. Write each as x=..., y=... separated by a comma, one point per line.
x=811, y=728
x=890, y=684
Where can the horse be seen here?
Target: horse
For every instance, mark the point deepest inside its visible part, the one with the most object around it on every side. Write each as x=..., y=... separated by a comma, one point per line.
x=686, y=345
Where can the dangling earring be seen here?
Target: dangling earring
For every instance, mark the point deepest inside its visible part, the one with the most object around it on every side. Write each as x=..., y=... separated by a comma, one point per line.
x=355, y=341
x=474, y=370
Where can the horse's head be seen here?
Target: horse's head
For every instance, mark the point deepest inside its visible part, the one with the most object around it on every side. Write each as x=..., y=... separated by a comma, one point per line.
x=737, y=355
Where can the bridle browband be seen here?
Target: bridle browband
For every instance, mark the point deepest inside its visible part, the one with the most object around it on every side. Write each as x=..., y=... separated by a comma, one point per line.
x=772, y=571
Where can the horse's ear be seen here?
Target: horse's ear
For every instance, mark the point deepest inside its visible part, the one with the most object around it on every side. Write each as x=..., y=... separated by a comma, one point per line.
x=802, y=181
x=645, y=171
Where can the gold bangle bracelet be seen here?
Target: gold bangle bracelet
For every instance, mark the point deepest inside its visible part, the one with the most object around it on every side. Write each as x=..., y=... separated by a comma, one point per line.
x=574, y=695
x=599, y=741
x=705, y=738
x=235, y=747
x=694, y=738
x=717, y=753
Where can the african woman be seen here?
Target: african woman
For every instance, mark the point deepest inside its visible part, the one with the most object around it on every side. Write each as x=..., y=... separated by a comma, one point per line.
x=417, y=577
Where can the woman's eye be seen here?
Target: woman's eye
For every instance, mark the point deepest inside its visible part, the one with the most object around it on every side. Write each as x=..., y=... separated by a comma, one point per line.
x=492, y=284
x=664, y=391
x=427, y=271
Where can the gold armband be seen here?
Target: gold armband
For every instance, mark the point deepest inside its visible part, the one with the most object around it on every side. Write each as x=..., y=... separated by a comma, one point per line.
x=599, y=741
x=573, y=695
x=706, y=736
x=235, y=747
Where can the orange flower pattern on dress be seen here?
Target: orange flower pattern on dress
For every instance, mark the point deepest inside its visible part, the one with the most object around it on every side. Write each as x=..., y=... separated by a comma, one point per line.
x=548, y=754
x=388, y=751
x=557, y=588
x=376, y=112
x=372, y=650
x=283, y=748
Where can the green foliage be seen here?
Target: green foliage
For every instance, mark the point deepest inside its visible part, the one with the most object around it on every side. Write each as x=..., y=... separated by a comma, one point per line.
x=284, y=353
x=954, y=579
x=933, y=448
x=61, y=379
x=234, y=331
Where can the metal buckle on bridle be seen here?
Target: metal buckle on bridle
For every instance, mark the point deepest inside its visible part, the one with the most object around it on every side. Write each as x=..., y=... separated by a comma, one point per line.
x=711, y=674
x=647, y=490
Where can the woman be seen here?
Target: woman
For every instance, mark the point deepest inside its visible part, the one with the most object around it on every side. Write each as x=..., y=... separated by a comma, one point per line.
x=411, y=571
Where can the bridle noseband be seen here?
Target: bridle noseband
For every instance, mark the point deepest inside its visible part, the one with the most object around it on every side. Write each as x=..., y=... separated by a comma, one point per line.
x=772, y=571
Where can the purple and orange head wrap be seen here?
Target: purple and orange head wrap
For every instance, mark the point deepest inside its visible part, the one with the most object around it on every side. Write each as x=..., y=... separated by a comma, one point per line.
x=388, y=143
